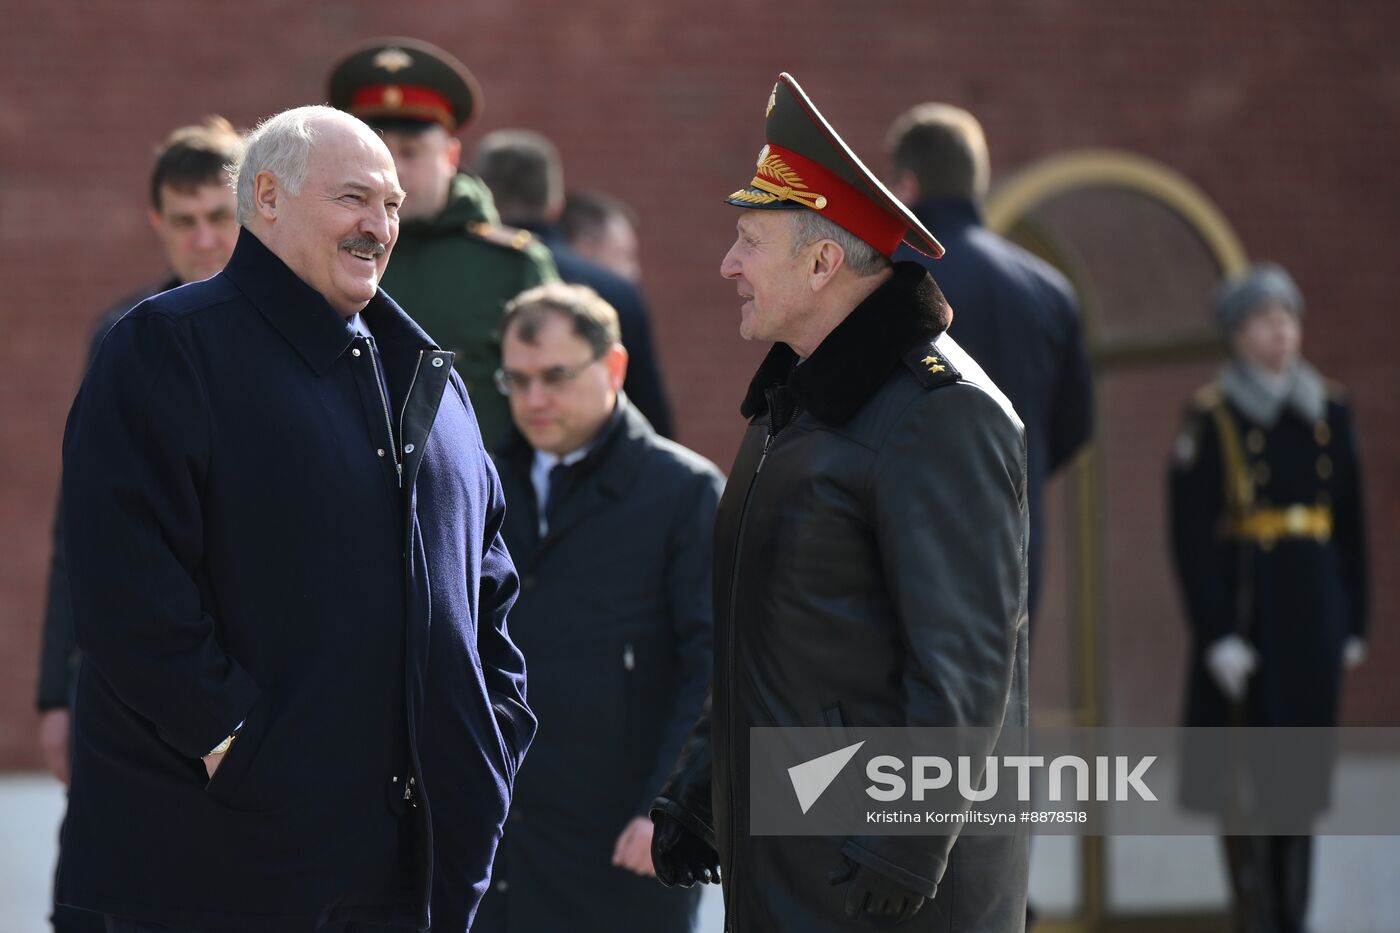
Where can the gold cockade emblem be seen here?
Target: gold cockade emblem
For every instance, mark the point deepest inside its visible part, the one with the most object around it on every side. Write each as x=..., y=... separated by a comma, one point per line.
x=392, y=60
x=776, y=181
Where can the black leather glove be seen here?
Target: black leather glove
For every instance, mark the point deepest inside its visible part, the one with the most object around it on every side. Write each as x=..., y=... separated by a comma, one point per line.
x=679, y=856
x=874, y=898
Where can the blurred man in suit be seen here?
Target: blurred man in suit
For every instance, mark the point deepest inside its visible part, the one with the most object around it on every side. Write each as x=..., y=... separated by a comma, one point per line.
x=610, y=527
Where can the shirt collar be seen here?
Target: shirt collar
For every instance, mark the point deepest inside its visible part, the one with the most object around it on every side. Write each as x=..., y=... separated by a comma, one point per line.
x=358, y=325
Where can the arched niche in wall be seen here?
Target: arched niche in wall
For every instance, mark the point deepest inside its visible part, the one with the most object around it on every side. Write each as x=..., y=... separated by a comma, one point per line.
x=1144, y=247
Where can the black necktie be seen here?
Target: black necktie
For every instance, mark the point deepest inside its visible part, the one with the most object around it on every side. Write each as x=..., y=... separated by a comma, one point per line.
x=554, y=495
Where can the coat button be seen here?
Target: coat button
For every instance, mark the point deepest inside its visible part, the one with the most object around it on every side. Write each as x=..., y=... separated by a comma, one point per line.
x=502, y=886
x=437, y=361
x=408, y=448
x=380, y=451
x=355, y=352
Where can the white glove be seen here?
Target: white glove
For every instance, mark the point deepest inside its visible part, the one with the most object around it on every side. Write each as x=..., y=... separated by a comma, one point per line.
x=1354, y=652
x=1230, y=661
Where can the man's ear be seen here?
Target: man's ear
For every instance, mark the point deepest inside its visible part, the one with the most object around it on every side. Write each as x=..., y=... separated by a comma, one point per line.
x=266, y=195
x=157, y=221
x=827, y=259
x=453, y=153
x=615, y=359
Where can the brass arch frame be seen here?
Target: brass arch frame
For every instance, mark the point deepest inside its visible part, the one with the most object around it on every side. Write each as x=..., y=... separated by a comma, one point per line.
x=1008, y=205
x=1083, y=168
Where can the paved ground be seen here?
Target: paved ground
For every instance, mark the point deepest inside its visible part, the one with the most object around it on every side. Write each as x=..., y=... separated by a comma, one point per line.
x=1355, y=888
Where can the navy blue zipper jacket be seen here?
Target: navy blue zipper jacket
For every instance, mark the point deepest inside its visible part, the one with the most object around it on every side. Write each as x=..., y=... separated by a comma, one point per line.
x=263, y=526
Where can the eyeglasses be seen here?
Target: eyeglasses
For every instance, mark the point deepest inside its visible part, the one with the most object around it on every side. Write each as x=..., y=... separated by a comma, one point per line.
x=552, y=380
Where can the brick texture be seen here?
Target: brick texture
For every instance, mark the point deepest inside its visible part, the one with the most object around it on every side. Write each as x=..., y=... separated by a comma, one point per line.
x=1284, y=115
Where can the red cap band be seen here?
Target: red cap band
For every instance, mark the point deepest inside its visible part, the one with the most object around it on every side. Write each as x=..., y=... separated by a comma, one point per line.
x=845, y=205
x=402, y=100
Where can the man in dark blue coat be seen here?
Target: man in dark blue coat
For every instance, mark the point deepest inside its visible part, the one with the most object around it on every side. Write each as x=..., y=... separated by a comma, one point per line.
x=526, y=177
x=1012, y=312
x=610, y=526
x=298, y=707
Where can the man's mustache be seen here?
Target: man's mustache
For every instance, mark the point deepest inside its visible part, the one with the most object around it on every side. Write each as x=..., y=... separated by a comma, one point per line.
x=363, y=244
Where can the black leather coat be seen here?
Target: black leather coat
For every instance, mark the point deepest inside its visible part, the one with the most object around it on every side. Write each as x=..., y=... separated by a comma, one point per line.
x=870, y=570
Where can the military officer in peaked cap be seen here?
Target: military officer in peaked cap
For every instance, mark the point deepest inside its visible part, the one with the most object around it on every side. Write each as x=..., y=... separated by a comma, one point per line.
x=455, y=265
x=1269, y=544
x=869, y=551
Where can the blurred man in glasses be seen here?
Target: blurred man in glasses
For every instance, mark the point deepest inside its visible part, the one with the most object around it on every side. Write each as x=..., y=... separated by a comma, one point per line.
x=610, y=528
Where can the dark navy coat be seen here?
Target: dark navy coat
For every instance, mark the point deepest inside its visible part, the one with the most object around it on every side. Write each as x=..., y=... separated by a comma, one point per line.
x=1295, y=599
x=58, y=654
x=615, y=617
x=247, y=543
x=1018, y=318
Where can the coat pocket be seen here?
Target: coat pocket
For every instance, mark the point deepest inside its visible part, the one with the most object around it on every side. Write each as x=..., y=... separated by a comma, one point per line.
x=238, y=760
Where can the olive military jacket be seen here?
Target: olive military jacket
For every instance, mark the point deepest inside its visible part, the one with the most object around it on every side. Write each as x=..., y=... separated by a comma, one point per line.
x=453, y=274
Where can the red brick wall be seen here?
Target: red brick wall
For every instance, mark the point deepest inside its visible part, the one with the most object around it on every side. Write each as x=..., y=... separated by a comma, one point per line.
x=1287, y=122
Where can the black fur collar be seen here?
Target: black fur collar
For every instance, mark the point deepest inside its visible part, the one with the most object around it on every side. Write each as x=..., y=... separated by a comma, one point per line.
x=857, y=357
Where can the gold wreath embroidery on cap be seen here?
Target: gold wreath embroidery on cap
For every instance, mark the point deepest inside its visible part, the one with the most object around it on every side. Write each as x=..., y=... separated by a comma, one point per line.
x=392, y=60
x=934, y=364
x=778, y=179
x=772, y=101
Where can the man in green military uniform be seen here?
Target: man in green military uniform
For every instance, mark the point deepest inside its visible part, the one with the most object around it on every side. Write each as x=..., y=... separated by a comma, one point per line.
x=455, y=265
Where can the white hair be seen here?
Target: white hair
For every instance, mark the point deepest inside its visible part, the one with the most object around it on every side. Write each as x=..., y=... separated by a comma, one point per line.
x=281, y=144
x=862, y=258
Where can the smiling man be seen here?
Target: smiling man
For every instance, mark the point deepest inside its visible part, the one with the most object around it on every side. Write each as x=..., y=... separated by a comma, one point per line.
x=273, y=482
x=870, y=566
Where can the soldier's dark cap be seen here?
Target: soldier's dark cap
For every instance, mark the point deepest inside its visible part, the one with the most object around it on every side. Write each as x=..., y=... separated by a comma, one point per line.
x=806, y=165
x=1261, y=285
x=398, y=82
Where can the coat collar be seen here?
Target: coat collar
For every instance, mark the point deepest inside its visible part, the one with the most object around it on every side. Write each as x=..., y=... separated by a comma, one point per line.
x=625, y=430
x=1305, y=392
x=858, y=356
x=604, y=477
x=949, y=213
x=305, y=319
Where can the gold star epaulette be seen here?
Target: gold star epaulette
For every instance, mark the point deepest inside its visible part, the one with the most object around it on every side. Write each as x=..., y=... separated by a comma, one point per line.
x=931, y=367
x=501, y=235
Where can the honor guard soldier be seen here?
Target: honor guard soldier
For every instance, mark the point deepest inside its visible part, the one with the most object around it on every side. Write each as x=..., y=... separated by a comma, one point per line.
x=1267, y=535
x=455, y=266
